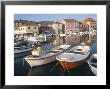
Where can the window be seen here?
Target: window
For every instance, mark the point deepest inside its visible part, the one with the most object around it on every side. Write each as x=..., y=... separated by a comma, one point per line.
x=28, y=27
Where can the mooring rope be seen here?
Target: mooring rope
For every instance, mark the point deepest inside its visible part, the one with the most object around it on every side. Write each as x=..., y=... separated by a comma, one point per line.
x=54, y=67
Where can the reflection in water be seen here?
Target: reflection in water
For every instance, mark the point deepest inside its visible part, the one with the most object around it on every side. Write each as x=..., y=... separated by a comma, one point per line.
x=58, y=41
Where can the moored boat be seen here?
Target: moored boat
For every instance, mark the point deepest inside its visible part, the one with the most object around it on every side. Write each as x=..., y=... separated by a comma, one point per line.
x=16, y=44
x=21, y=51
x=93, y=63
x=74, y=57
x=39, y=57
x=20, y=43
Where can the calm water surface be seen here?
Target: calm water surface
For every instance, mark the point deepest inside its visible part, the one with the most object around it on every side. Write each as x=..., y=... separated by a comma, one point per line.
x=22, y=68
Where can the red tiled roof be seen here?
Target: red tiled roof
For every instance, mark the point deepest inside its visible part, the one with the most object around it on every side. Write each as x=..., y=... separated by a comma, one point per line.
x=89, y=20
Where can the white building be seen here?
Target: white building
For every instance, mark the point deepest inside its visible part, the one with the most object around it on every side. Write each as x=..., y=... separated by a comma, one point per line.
x=28, y=29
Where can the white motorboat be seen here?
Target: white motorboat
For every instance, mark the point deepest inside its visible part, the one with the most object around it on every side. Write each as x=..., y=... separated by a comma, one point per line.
x=21, y=51
x=93, y=63
x=36, y=39
x=39, y=57
x=74, y=57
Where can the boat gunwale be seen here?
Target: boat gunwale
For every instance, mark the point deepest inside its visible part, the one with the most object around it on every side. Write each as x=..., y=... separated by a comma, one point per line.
x=60, y=51
x=89, y=61
x=26, y=50
x=41, y=57
x=63, y=59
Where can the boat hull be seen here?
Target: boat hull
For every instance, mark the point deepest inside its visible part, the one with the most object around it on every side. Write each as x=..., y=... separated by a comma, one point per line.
x=44, y=59
x=16, y=55
x=37, y=62
x=70, y=65
x=74, y=58
x=93, y=69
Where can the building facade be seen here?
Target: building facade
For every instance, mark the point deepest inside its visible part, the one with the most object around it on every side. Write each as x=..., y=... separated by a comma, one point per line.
x=70, y=25
x=92, y=24
x=92, y=28
x=27, y=30
x=17, y=24
x=75, y=31
x=84, y=31
x=58, y=28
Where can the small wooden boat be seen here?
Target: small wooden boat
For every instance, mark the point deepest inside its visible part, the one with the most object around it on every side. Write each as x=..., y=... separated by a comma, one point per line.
x=21, y=51
x=38, y=57
x=93, y=63
x=74, y=57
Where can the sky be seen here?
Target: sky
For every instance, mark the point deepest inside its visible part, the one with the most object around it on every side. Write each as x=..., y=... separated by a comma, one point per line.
x=52, y=17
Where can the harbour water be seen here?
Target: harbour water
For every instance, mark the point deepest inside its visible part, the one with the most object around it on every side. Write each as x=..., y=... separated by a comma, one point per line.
x=22, y=68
